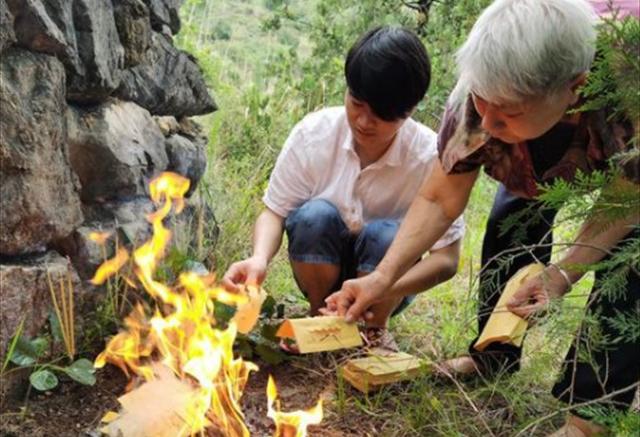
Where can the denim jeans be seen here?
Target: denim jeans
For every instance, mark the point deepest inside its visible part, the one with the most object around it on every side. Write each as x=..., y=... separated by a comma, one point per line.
x=318, y=235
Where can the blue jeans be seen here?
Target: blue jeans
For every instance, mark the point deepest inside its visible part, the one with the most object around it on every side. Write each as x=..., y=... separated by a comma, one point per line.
x=318, y=235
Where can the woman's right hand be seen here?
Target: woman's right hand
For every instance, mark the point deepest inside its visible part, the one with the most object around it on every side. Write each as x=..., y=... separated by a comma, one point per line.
x=356, y=296
x=251, y=271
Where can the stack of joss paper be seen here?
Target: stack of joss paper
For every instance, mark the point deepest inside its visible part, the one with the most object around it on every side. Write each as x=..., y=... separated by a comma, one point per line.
x=504, y=326
x=381, y=367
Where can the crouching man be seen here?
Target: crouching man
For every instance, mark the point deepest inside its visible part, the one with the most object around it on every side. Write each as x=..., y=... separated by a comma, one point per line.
x=345, y=179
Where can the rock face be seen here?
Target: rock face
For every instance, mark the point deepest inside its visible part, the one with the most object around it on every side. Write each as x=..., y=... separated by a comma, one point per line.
x=115, y=149
x=82, y=34
x=100, y=51
x=79, y=82
x=30, y=273
x=134, y=29
x=7, y=35
x=39, y=192
x=164, y=13
x=167, y=82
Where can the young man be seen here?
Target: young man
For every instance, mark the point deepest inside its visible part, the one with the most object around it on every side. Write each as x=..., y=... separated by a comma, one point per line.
x=345, y=179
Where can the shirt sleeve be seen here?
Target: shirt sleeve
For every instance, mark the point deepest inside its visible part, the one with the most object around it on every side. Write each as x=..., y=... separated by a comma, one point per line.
x=460, y=139
x=453, y=234
x=290, y=184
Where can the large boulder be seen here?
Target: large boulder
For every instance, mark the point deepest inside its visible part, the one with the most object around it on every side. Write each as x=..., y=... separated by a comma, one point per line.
x=39, y=199
x=134, y=28
x=7, y=35
x=25, y=295
x=82, y=34
x=168, y=82
x=115, y=148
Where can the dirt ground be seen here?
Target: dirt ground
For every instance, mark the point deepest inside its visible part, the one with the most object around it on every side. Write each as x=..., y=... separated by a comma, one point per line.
x=75, y=410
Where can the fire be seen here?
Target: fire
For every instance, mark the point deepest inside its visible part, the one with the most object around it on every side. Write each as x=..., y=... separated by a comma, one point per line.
x=293, y=424
x=182, y=334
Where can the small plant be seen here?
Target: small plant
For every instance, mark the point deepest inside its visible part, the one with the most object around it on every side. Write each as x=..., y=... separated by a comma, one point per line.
x=28, y=353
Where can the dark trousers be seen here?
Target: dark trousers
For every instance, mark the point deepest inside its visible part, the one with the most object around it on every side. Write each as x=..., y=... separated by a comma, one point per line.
x=612, y=367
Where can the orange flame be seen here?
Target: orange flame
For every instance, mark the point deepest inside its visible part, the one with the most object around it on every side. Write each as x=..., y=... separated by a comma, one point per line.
x=181, y=334
x=292, y=424
x=110, y=267
x=99, y=238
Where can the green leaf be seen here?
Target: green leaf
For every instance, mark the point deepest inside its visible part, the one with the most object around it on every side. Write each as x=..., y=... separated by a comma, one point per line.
x=82, y=371
x=43, y=380
x=56, y=329
x=269, y=332
x=40, y=346
x=243, y=346
x=223, y=313
x=24, y=354
x=268, y=307
x=12, y=346
x=270, y=355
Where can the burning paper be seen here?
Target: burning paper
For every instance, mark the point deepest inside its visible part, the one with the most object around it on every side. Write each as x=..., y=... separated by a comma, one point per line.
x=192, y=382
x=248, y=313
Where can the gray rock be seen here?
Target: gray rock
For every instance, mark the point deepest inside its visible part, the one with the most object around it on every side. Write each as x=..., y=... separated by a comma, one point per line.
x=39, y=199
x=168, y=125
x=100, y=50
x=134, y=27
x=130, y=219
x=86, y=255
x=165, y=13
x=125, y=220
x=46, y=26
x=115, y=149
x=7, y=35
x=188, y=158
x=82, y=34
x=168, y=82
x=25, y=293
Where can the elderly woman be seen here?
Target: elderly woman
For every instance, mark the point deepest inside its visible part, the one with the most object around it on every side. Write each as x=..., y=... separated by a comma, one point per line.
x=511, y=112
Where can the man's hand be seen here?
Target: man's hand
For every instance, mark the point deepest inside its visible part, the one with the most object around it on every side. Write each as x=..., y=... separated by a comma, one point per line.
x=356, y=296
x=536, y=294
x=251, y=271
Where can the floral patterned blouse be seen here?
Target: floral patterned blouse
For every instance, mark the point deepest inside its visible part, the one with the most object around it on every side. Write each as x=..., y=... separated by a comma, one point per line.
x=564, y=150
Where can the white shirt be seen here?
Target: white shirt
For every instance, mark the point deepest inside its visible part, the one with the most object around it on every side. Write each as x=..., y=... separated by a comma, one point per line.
x=318, y=160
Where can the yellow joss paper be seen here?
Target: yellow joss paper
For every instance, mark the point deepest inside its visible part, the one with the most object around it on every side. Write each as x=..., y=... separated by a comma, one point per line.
x=317, y=334
x=381, y=368
x=504, y=326
x=248, y=313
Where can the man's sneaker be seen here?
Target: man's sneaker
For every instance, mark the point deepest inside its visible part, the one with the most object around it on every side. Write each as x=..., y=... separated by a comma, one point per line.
x=381, y=338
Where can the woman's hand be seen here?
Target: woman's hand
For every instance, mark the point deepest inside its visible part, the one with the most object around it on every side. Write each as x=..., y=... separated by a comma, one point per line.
x=251, y=271
x=536, y=294
x=357, y=295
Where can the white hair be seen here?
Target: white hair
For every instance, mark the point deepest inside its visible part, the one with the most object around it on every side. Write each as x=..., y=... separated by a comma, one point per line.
x=523, y=48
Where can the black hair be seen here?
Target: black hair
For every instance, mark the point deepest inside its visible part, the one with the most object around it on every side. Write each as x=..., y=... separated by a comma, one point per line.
x=389, y=69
